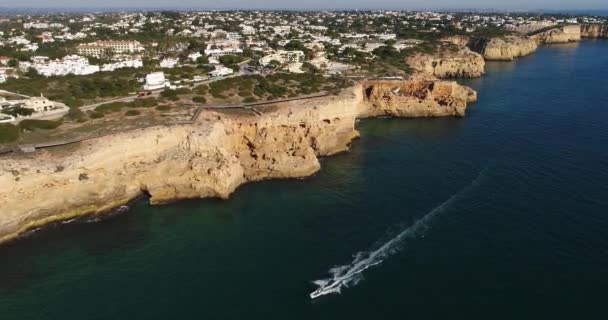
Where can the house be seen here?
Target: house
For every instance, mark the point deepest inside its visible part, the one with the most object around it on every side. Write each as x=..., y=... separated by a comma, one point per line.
x=168, y=63
x=39, y=104
x=4, y=60
x=220, y=71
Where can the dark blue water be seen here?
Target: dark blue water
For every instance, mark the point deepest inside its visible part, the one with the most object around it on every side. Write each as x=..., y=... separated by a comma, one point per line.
x=513, y=201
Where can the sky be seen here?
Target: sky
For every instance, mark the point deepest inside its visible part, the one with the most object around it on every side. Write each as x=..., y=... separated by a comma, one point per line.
x=317, y=4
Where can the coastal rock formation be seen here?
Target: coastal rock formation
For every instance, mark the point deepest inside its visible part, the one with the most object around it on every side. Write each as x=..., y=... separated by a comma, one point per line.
x=563, y=34
x=461, y=41
x=209, y=158
x=594, y=31
x=505, y=48
x=460, y=63
x=417, y=98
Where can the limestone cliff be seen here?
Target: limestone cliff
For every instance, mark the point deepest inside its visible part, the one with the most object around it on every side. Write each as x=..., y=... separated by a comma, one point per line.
x=417, y=98
x=505, y=48
x=461, y=41
x=563, y=34
x=459, y=63
x=209, y=158
x=594, y=31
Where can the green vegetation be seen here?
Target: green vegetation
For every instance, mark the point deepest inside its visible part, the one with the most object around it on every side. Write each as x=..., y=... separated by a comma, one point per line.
x=169, y=94
x=231, y=61
x=144, y=103
x=199, y=99
x=18, y=111
x=95, y=114
x=8, y=132
x=32, y=125
x=163, y=108
x=132, y=113
x=111, y=107
x=70, y=89
x=280, y=85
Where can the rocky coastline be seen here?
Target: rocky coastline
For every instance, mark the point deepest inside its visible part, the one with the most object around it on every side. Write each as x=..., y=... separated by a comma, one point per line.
x=460, y=63
x=209, y=158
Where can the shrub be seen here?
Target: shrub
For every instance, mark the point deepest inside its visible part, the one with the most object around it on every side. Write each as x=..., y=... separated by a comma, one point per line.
x=202, y=89
x=111, y=107
x=245, y=94
x=75, y=114
x=199, y=99
x=32, y=125
x=249, y=100
x=19, y=111
x=95, y=114
x=132, y=113
x=144, y=103
x=168, y=93
x=183, y=91
x=163, y=108
x=8, y=132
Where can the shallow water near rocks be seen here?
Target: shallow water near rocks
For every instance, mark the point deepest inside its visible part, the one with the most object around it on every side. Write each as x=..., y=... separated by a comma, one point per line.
x=522, y=183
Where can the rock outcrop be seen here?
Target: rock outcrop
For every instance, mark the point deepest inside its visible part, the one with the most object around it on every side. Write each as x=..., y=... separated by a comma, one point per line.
x=459, y=63
x=416, y=98
x=209, y=158
x=562, y=34
x=505, y=48
x=594, y=30
x=461, y=41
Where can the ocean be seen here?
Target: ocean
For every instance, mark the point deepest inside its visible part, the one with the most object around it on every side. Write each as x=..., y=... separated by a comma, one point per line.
x=502, y=214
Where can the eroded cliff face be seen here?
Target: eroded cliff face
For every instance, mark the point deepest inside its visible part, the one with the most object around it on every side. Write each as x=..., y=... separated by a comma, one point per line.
x=594, y=31
x=209, y=158
x=563, y=34
x=460, y=63
x=416, y=98
x=505, y=48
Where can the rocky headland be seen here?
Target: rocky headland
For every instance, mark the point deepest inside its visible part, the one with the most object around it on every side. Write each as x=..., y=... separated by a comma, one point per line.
x=211, y=157
x=594, y=31
x=504, y=48
x=459, y=63
x=563, y=34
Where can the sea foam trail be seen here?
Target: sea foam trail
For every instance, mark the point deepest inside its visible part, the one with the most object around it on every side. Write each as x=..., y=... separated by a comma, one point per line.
x=351, y=274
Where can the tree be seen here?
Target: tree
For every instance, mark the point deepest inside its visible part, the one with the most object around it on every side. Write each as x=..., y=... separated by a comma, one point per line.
x=13, y=63
x=32, y=73
x=202, y=60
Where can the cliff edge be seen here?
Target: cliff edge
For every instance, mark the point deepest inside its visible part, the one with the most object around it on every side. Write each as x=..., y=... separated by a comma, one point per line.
x=505, y=48
x=210, y=158
x=458, y=63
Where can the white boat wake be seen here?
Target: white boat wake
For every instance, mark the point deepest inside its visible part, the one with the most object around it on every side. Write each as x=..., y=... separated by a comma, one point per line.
x=351, y=274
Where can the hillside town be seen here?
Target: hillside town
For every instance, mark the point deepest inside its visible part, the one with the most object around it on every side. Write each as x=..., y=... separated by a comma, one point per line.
x=82, y=61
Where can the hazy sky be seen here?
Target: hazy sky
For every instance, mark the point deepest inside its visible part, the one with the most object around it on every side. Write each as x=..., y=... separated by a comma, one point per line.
x=320, y=4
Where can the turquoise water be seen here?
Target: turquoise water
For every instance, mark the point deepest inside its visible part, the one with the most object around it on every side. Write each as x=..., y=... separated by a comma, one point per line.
x=502, y=214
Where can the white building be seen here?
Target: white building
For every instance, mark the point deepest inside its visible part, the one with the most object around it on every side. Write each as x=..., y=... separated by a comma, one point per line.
x=221, y=71
x=194, y=56
x=283, y=57
x=155, y=81
x=127, y=63
x=99, y=48
x=168, y=63
x=72, y=64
